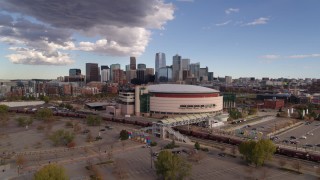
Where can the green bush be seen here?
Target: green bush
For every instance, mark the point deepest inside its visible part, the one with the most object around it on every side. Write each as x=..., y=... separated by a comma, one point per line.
x=197, y=145
x=61, y=137
x=93, y=120
x=153, y=143
x=23, y=121
x=124, y=135
x=171, y=145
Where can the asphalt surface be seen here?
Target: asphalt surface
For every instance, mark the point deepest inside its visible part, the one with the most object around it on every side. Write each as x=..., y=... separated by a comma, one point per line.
x=310, y=131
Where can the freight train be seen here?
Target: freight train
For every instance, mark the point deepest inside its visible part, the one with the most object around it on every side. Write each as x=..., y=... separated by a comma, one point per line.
x=286, y=151
x=311, y=156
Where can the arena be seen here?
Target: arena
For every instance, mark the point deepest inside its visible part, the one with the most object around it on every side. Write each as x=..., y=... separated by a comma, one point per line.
x=177, y=99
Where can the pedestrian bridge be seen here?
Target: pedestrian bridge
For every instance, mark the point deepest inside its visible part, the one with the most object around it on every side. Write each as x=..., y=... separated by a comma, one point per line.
x=163, y=128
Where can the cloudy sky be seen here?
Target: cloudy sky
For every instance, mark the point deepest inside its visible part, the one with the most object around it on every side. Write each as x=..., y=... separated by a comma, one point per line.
x=44, y=39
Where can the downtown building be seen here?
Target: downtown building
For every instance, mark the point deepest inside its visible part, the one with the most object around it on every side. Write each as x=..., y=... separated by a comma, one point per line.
x=160, y=62
x=92, y=72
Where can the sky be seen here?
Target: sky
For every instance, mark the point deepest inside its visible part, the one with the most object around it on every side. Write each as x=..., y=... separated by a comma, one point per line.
x=274, y=38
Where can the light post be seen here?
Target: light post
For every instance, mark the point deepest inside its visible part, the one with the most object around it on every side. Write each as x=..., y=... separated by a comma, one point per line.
x=151, y=158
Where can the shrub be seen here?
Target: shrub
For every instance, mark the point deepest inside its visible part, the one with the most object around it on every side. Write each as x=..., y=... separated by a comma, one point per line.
x=124, y=135
x=171, y=145
x=153, y=143
x=197, y=146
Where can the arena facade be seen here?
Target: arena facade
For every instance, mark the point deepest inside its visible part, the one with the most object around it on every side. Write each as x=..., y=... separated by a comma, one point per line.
x=177, y=99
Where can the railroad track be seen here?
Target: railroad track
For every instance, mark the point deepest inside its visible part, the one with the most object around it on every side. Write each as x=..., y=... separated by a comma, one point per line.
x=219, y=145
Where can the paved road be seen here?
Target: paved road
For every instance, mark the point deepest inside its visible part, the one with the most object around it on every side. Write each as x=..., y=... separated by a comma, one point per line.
x=303, y=130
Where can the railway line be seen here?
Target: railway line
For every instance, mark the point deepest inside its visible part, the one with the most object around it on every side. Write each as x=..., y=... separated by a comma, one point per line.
x=219, y=139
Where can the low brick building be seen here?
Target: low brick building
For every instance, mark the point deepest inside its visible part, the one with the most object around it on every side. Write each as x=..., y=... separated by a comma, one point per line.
x=273, y=103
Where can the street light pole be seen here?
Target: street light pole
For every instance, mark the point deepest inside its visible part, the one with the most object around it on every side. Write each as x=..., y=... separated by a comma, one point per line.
x=151, y=156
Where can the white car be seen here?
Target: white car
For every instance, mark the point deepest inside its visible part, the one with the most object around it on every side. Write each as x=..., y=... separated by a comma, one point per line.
x=303, y=137
x=310, y=133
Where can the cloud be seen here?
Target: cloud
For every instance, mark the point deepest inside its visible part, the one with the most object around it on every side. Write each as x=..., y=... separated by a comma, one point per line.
x=302, y=56
x=122, y=28
x=270, y=56
x=232, y=10
x=224, y=23
x=35, y=57
x=185, y=0
x=259, y=21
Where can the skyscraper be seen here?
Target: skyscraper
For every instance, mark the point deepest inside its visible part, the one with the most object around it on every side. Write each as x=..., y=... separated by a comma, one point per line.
x=128, y=67
x=141, y=75
x=112, y=68
x=165, y=74
x=133, y=63
x=92, y=72
x=160, y=61
x=142, y=66
x=105, y=74
x=203, y=74
x=195, y=70
x=228, y=79
x=185, y=64
x=104, y=67
x=210, y=76
x=176, y=68
x=74, y=72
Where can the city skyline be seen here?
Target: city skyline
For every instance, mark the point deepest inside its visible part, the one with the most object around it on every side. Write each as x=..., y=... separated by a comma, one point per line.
x=248, y=39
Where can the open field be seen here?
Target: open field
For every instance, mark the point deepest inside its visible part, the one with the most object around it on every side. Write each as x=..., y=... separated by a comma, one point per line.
x=135, y=161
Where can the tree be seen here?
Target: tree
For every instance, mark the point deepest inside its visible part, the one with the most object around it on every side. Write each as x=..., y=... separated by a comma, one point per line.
x=46, y=99
x=61, y=137
x=197, y=145
x=93, y=120
x=257, y=152
x=171, y=167
x=45, y=114
x=124, y=135
x=4, y=114
x=51, y=172
x=23, y=121
x=20, y=161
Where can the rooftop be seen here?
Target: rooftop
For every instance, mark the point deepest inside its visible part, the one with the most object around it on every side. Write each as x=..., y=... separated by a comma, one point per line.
x=179, y=88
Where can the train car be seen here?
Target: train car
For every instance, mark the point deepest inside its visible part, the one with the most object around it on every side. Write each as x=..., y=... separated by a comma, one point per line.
x=314, y=157
x=234, y=141
x=82, y=116
x=293, y=153
x=199, y=134
x=183, y=131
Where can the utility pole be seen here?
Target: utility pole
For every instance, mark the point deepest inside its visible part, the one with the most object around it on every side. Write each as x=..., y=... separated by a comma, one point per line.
x=151, y=156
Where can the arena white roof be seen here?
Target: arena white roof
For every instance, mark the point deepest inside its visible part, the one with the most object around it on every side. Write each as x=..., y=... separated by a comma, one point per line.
x=179, y=88
x=22, y=103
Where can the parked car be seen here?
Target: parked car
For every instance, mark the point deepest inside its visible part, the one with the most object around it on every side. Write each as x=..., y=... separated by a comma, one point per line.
x=307, y=146
x=285, y=141
x=310, y=133
x=292, y=137
x=222, y=154
x=303, y=137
